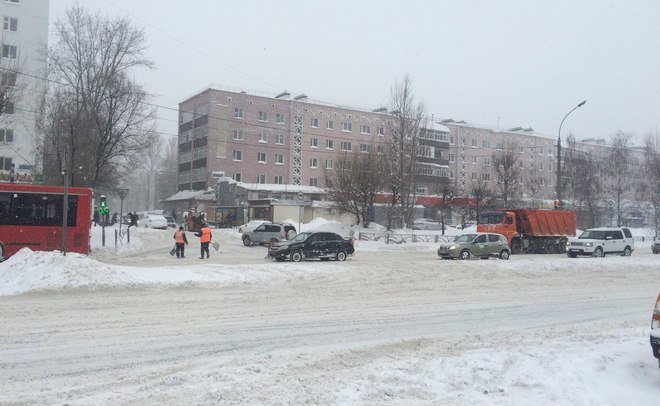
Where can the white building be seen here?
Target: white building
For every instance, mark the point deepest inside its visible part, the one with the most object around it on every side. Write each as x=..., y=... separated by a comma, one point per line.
x=24, y=42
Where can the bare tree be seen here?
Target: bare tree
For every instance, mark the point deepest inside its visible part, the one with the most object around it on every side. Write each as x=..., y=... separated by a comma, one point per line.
x=482, y=195
x=507, y=171
x=649, y=187
x=10, y=89
x=355, y=182
x=402, y=151
x=448, y=190
x=95, y=107
x=620, y=170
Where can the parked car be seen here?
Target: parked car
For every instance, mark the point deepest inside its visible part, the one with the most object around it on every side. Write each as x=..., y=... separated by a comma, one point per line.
x=655, y=330
x=656, y=245
x=267, y=233
x=597, y=242
x=251, y=225
x=476, y=245
x=318, y=244
x=170, y=220
x=153, y=221
x=426, y=224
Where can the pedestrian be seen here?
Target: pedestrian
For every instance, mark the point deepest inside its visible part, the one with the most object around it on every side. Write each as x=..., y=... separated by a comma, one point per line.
x=114, y=219
x=134, y=219
x=204, y=235
x=96, y=217
x=181, y=241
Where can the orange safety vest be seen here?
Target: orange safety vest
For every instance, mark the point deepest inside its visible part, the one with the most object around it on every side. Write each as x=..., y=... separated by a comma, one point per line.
x=206, y=235
x=178, y=237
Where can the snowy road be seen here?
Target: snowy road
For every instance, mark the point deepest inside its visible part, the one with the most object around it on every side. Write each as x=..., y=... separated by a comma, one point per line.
x=266, y=341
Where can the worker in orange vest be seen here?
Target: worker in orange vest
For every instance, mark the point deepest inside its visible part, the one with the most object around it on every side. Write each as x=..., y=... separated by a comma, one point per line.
x=204, y=235
x=181, y=241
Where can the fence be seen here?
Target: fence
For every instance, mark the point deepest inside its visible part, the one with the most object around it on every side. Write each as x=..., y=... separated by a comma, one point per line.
x=401, y=238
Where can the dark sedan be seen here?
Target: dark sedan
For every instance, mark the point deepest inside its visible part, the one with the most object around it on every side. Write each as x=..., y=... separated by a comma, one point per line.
x=320, y=244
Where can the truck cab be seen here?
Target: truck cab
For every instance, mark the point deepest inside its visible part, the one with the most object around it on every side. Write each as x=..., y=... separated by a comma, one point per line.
x=501, y=222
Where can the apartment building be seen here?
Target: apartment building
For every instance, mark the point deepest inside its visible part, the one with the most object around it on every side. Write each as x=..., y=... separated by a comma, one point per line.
x=285, y=140
x=22, y=62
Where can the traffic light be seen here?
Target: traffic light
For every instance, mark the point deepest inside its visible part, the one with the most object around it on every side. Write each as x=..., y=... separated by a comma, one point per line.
x=103, y=208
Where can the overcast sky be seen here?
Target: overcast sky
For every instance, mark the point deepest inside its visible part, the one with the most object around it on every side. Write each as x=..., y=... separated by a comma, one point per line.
x=491, y=63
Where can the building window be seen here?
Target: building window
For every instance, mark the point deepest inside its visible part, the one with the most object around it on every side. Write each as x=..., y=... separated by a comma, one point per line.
x=8, y=79
x=549, y=167
x=237, y=177
x=330, y=144
x=261, y=178
x=238, y=155
x=474, y=176
x=541, y=181
x=345, y=146
x=452, y=158
x=500, y=145
x=451, y=140
x=313, y=182
x=278, y=180
x=381, y=131
x=485, y=143
x=6, y=135
x=263, y=116
x=365, y=129
x=474, y=142
x=279, y=139
x=347, y=127
x=345, y=165
x=520, y=164
x=263, y=137
x=487, y=161
x=9, y=51
x=314, y=142
x=381, y=149
x=9, y=108
x=540, y=166
x=485, y=177
x=330, y=125
x=5, y=163
x=279, y=118
x=279, y=159
x=474, y=160
x=315, y=122
x=328, y=164
x=364, y=148
x=261, y=157
x=313, y=163
x=328, y=183
x=238, y=112
x=238, y=134
x=451, y=174
x=11, y=24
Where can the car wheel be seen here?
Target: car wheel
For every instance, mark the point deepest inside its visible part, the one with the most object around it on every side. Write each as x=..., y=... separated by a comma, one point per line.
x=627, y=251
x=296, y=256
x=246, y=241
x=341, y=256
x=465, y=254
x=572, y=254
x=504, y=254
x=598, y=252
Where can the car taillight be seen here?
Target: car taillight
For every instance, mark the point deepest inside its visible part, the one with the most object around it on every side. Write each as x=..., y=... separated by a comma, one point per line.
x=655, y=321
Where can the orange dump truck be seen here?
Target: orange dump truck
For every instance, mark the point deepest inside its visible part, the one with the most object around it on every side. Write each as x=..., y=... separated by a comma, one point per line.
x=531, y=230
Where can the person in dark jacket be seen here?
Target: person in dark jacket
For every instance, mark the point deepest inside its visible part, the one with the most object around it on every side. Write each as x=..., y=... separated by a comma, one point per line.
x=134, y=219
x=96, y=217
x=204, y=235
x=181, y=241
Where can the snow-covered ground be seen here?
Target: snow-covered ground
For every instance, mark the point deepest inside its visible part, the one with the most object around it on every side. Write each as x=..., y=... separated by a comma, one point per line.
x=393, y=324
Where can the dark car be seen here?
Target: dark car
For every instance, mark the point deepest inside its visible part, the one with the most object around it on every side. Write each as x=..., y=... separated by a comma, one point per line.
x=320, y=244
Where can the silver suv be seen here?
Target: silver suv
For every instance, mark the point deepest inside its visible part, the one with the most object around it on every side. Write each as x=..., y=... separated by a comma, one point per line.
x=476, y=245
x=268, y=233
x=597, y=242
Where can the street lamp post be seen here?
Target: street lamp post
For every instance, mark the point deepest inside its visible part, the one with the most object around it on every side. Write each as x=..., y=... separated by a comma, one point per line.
x=561, y=205
x=122, y=195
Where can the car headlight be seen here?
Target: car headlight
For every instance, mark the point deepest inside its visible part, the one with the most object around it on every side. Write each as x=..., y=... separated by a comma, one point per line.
x=452, y=247
x=588, y=244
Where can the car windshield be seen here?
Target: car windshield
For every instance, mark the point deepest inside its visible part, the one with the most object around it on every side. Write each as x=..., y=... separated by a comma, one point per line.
x=301, y=237
x=465, y=238
x=593, y=234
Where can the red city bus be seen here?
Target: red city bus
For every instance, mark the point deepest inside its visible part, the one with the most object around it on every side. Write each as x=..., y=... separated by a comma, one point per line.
x=31, y=216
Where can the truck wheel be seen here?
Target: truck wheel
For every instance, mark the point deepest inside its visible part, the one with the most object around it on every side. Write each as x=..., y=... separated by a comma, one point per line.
x=572, y=254
x=598, y=252
x=246, y=240
x=296, y=256
x=504, y=254
x=549, y=246
x=465, y=254
x=563, y=245
x=516, y=247
x=341, y=255
x=627, y=251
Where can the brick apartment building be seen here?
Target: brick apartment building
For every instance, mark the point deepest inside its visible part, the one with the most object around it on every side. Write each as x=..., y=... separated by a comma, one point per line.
x=285, y=140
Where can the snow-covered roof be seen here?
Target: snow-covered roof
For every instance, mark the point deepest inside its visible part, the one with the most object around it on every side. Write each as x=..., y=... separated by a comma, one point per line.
x=275, y=187
x=208, y=194
x=438, y=127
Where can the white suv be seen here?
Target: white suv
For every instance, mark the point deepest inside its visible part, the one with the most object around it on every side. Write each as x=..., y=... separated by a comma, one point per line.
x=600, y=241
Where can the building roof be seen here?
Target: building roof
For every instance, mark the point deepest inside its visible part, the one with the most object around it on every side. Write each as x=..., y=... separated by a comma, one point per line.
x=275, y=187
x=208, y=194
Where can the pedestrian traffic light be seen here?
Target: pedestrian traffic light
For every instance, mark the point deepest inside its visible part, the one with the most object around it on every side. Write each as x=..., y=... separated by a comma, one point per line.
x=103, y=208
